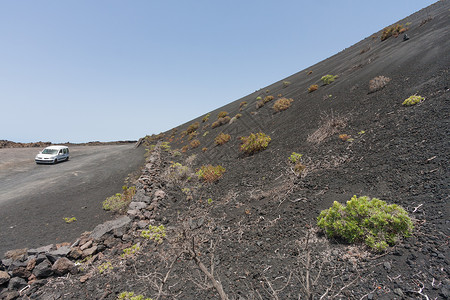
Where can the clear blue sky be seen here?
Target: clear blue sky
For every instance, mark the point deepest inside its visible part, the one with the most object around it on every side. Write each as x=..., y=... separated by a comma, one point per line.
x=109, y=70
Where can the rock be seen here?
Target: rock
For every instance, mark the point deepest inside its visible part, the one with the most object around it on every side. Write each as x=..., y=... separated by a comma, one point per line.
x=142, y=224
x=62, y=251
x=387, y=265
x=90, y=251
x=106, y=227
x=7, y=262
x=133, y=213
x=398, y=292
x=63, y=266
x=21, y=272
x=16, y=283
x=9, y=295
x=15, y=254
x=44, y=269
x=75, y=253
x=110, y=242
x=160, y=194
x=137, y=205
x=370, y=296
x=86, y=245
x=118, y=233
x=4, y=277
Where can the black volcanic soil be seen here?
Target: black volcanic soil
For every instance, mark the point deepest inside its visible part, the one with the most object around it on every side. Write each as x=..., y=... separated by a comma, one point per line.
x=258, y=232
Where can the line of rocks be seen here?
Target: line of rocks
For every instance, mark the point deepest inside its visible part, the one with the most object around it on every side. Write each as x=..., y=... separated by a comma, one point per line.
x=24, y=271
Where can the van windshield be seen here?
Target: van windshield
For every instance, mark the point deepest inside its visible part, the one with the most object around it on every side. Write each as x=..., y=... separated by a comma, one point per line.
x=50, y=151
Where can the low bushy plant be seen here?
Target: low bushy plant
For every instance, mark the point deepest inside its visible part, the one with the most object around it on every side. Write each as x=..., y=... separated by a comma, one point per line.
x=295, y=157
x=282, y=104
x=259, y=104
x=221, y=121
x=327, y=79
x=194, y=144
x=313, y=88
x=371, y=221
x=131, y=250
x=268, y=99
x=238, y=116
x=154, y=233
x=413, y=100
x=131, y=296
x=120, y=201
x=193, y=127
x=222, y=114
x=393, y=30
x=205, y=118
x=242, y=105
x=70, y=220
x=255, y=142
x=222, y=138
x=286, y=83
x=378, y=83
x=210, y=173
x=177, y=171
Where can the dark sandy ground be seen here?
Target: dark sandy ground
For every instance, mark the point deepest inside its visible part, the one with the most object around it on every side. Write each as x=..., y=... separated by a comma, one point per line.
x=257, y=234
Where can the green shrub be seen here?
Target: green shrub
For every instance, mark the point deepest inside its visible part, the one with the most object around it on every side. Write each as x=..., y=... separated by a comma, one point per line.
x=205, y=118
x=258, y=98
x=120, y=201
x=222, y=138
x=413, y=100
x=327, y=79
x=282, y=104
x=131, y=250
x=131, y=296
x=193, y=127
x=104, y=266
x=210, y=173
x=70, y=220
x=154, y=233
x=286, y=84
x=255, y=142
x=295, y=157
x=366, y=220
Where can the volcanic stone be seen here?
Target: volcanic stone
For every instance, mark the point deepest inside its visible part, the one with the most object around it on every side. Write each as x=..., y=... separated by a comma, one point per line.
x=4, y=277
x=44, y=269
x=63, y=266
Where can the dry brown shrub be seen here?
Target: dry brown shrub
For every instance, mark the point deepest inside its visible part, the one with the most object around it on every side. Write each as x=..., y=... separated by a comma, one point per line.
x=221, y=121
x=313, y=88
x=282, y=104
x=259, y=104
x=378, y=83
x=195, y=143
x=222, y=138
x=329, y=125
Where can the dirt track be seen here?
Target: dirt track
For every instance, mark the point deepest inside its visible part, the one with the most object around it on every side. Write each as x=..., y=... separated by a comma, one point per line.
x=34, y=199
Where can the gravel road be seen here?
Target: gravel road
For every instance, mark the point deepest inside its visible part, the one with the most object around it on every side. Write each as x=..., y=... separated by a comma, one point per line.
x=34, y=199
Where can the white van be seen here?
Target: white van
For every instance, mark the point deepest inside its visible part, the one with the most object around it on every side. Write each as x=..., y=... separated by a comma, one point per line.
x=52, y=155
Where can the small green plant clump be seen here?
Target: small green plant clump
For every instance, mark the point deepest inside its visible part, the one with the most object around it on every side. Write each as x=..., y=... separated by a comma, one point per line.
x=295, y=159
x=413, y=100
x=154, y=233
x=255, y=142
x=286, y=84
x=131, y=296
x=327, y=79
x=177, y=171
x=131, y=250
x=222, y=138
x=210, y=173
x=282, y=104
x=70, y=220
x=366, y=220
x=119, y=201
x=104, y=266
x=205, y=118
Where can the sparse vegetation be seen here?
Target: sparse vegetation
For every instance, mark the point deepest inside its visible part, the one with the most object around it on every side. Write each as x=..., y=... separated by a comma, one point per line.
x=286, y=83
x=259, y=104
x=154, y=233
x=70, y=220
x=328, y=79
x=366, y=220
x=330, y=125
x=131, y=296
x=222, y=138
x=120, y=201
x=268, y=99
x=131, y=250
x=193, y=127
x=344, y=137
x=210, y=173
x=104, y=267
x=313, y=88
x=205, y=118
x=221, y=121
x=255, y=143
x=378, y=83
x=282, y=104
x=177, y=172
x=242, y=105
x=194, y=144
x=238, y=116
x=413, y=100
x=222, y=114
x=393, y=30
x=295, y=159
